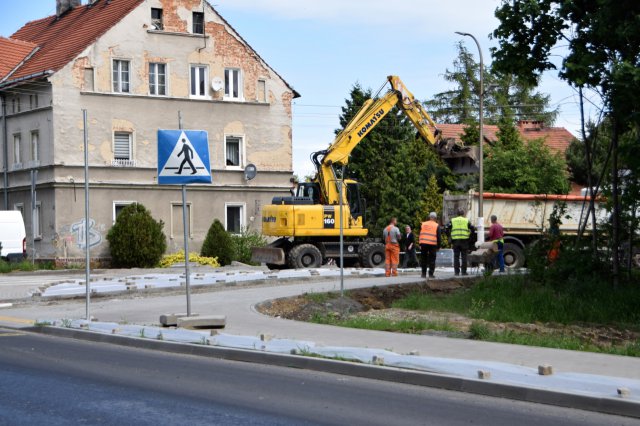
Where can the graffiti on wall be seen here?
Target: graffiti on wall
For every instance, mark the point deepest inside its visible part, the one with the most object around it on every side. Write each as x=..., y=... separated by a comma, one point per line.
x=78, y=231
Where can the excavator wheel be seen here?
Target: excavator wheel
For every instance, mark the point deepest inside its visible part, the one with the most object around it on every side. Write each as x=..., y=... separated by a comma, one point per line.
x=372, y=255
x=305, y=256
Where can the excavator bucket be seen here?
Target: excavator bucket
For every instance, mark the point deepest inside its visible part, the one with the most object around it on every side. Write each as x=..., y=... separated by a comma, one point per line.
x=460, y=159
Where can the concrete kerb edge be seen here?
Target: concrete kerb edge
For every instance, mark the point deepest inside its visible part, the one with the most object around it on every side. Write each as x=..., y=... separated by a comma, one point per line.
x=199, y=287
x=418, y=378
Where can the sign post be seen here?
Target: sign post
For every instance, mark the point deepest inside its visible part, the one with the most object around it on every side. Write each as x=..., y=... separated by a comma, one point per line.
x=183, y=158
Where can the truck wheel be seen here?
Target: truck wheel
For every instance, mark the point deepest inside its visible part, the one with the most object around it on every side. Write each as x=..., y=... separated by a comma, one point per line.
x=372, y=255
x=305, y=256
x=513, y=256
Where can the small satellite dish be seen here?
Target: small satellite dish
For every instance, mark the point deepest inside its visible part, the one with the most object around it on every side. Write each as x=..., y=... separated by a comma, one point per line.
x=216, y=84
x=250, y=172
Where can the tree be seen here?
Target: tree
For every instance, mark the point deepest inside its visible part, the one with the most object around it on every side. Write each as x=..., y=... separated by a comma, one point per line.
x=506, y=96
x=218, y=244
x=582, y=171
x=603, y=45
x=136, y=239
x=513, y=166
x=431, y=201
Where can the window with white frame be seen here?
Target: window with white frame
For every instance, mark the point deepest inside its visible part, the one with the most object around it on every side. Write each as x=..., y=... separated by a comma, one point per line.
x=17, y=142
x=121, y=76
x=19, y=207
x=122, y=144
x=198, y=81
x=118, y=206
x=88, y=83
x=198, y=23
x=234, y=217
x=158, y=79
x=35, y=148
x=261, y=91
x=233, y=83
x=233, y=148
x=33, y=101
x=37, y=220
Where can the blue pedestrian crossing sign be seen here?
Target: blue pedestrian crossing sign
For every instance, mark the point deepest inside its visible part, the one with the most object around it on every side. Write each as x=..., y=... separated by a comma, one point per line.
x=183, y=157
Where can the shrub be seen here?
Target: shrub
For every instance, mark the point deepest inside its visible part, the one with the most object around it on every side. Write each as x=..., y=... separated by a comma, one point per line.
x=218, y=244
x=244, y=242
x=136, y=239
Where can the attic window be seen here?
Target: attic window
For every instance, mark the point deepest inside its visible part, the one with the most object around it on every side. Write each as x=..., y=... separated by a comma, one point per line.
x=198, y=22
x=156, y=19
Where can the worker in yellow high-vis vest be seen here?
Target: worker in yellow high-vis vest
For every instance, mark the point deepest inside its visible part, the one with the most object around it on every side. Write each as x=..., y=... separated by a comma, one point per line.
x=460, y=230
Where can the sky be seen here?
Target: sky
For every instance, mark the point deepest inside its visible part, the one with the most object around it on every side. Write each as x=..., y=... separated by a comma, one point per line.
x=322, y=49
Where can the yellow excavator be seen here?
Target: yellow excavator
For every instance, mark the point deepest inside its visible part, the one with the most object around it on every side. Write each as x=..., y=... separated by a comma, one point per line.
x=308, y=224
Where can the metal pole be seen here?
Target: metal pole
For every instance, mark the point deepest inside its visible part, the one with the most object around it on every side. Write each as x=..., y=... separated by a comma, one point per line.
x=87, y=269
x=480, y=227
x=341, y=183
x=186, y=236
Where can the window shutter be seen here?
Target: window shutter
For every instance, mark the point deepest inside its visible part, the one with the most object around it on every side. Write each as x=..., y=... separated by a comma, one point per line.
x=122, y=146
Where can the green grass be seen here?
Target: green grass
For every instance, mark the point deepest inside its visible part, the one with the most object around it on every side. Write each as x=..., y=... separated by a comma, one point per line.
x=319, y=297
x=25, y=265
x=382, y=324
x=514, y=299
x=481, y=332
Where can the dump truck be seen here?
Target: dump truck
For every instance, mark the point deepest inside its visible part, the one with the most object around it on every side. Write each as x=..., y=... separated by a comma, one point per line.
x=524, y=217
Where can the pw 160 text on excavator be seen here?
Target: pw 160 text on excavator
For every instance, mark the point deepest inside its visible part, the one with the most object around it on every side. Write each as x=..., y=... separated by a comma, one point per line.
x=308, y=224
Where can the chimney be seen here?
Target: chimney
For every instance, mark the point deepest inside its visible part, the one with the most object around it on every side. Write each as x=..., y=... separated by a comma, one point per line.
x=530, y=125
x=62, y=6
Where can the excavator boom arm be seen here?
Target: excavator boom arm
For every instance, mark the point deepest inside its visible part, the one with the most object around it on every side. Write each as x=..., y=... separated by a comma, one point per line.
x=371, y=113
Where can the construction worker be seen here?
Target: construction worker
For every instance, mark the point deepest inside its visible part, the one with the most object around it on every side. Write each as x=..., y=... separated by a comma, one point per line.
x=496, y=235
x=391, y=237
x=410, y=247
x=429, y=240
x=460, y=230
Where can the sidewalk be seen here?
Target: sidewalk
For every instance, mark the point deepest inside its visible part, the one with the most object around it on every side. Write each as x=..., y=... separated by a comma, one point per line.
x=605, y=374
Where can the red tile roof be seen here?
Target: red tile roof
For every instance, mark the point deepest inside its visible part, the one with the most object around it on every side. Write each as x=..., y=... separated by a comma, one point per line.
x=62, y=39
x=556, y=138
x=13, y=52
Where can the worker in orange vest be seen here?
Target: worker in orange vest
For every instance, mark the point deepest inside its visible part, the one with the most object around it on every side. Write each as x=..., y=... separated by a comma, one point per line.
x=391, y=238
x=430, y=239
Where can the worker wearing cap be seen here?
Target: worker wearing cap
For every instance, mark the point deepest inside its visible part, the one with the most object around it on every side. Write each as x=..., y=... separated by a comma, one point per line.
x=429, y=244
x=391, y=237
x=460, y=230
x=496, y=235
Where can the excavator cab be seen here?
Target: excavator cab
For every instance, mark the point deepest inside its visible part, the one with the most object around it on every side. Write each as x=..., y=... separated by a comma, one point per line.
x=311, y=191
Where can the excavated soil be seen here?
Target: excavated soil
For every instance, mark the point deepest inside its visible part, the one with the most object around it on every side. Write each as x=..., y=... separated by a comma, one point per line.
x=376, y=302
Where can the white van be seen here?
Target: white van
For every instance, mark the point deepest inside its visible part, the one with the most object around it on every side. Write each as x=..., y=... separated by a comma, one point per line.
x=12, y=236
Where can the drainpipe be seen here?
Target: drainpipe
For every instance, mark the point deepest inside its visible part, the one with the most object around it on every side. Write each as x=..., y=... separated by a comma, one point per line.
x=5, y=152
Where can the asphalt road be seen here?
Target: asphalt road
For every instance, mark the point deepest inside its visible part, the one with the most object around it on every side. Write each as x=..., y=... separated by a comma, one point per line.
x=55, y=381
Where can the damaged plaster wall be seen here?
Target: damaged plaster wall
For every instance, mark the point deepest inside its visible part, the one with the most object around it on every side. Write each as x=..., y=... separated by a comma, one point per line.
x=86, y=83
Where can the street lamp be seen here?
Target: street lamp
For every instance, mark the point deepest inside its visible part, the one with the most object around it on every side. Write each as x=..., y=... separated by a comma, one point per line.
x=480, y=227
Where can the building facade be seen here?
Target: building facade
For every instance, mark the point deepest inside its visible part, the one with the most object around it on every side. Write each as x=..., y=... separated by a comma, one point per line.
x=136, y=66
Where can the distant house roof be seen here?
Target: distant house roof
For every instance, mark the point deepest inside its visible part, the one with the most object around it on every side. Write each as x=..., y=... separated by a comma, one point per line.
x=60, y=39
x=556, y=138
x=13, y=53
